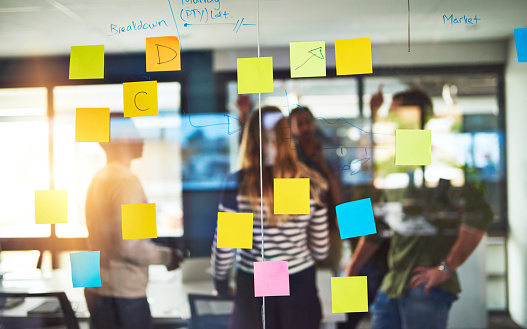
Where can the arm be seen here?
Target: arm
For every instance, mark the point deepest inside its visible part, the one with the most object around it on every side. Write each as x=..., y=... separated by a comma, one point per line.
x=318, y=233
x=365, y=249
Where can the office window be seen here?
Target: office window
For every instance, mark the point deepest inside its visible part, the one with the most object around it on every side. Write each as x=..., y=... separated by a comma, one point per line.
x=25, y=160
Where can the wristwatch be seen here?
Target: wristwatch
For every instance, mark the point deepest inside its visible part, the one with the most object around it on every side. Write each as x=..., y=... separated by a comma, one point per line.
x=444, y=268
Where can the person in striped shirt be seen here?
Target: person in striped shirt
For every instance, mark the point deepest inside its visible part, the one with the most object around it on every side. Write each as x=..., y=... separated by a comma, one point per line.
x=298, y=239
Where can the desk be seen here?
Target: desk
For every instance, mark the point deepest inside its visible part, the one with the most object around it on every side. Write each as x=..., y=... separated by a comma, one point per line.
x=166, y=293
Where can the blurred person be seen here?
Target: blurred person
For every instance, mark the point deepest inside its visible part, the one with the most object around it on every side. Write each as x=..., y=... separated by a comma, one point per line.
x=121, y=301
x=298, y=239
x=441, y=227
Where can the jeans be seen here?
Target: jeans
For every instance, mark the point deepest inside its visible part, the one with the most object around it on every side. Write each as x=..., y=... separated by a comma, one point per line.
x=415, y=310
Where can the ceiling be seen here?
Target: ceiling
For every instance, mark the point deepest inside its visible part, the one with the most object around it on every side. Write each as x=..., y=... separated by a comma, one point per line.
x=38, y=27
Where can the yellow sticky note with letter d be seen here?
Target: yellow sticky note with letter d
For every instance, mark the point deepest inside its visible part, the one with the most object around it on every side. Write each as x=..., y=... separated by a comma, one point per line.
x=139, y=221
x=140, y=99
x=413, y=147
x=51, y=207
x=255, y=75
x=349, y=294
x=92, y=125
x=291, y=196
x=235, y=230
x=87, y=62
x=353, y=56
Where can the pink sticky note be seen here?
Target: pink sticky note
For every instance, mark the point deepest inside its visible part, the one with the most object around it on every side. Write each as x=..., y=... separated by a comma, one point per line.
x=271, y=278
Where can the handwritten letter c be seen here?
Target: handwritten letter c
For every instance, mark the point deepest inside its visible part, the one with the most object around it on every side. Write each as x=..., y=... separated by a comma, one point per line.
x=135, y=100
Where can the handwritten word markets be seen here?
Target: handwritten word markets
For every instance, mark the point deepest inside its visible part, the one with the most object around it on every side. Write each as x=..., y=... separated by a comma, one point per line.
x=461, y=20
x=114, y=29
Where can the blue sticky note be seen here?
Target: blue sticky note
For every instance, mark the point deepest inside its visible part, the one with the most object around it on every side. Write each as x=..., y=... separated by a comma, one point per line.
x=520, y=36
x=355, y=218
x=86, y=269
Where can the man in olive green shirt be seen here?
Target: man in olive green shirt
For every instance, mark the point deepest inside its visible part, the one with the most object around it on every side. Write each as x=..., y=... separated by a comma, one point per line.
x=435, y=231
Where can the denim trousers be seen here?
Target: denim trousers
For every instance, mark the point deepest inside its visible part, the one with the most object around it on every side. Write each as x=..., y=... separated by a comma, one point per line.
x=415, y=310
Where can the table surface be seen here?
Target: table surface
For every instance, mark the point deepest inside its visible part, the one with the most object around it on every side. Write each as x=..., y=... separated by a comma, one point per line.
x=166, y=293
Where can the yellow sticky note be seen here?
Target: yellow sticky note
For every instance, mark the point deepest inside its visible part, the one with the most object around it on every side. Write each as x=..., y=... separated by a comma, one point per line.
x=291, y=196
x=139, y=221
x=51, y=207
x=92, y=125
x=235, y=230
x=255, y=75
x=307, y=59
x=87, y=62
x=349, y=294
x=163, y=54
x=353, y=56
x=413, y=147
x=140, y=99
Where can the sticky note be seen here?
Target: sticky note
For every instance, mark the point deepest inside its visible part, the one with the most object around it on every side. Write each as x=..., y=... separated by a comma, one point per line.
x=291, y=196
x=87, y=62
x=140, y=99
x=353, y=56
x=520, y=38
x=86, y=269
x=163, y=54
x=51, y=207
x=235, y=230
x=92, y=125
x=255, y=75
x=271, y=278
x=355, y=218
x=413, y=147
x=349, y=294
x=307, y=59
x=139, y=221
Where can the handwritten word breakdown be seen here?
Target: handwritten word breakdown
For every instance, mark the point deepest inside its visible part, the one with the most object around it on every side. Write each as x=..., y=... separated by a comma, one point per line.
x=271, y=278
x=114, y=29
x=51, y=207
x=355, y=219
x=235, y=230
x=413, y=147
x=353, y=56
x=255, y=75
x=460, y=20
x=87, y=62
x=163, y=54
x=140, y=99
x=349, y=294
x=92, y=125
x=520, y=38
x=291, y=196
x=85, y=269
x=139, y=221
x=307, y=59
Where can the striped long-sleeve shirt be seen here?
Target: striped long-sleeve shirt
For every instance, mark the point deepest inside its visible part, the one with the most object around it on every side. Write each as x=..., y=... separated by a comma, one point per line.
x=300, y=241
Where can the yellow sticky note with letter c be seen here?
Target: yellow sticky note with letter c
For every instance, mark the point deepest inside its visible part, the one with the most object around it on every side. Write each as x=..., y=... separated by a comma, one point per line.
x=140, y=99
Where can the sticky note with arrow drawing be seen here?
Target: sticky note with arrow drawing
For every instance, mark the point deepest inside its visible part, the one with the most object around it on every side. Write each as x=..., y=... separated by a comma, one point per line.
x=307, y=59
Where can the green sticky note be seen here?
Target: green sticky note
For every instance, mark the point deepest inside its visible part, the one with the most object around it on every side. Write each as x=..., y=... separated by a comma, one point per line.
x=413, y=147
x=353, y=56
x=51, y=207
x=92, y=125
x=349, y=294
x=291, y=196
x=235, y=230
x=139, y=221
x=307, y=59
x=255, y=75
x=87, y=62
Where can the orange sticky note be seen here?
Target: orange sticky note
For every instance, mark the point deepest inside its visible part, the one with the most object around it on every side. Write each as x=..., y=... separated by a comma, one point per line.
x=140, y=99
x=353, y=56
x=255, y=75
x=349, y=294
x=87, y=62
x=291, y=196
x=139, y=221
x=163, y=54
x=92, y=125
x=235, y=230
x=51, y=207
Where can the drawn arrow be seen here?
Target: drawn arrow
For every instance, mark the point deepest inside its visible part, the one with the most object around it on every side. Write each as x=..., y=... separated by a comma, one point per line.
x=316, y=52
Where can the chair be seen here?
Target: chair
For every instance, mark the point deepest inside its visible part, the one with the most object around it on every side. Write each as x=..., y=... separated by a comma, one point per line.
x=67, y=311
x=209, y=312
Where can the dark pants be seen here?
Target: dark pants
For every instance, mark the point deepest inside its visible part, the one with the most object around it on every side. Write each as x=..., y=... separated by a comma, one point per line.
x=300, y=310
x=118, y=313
